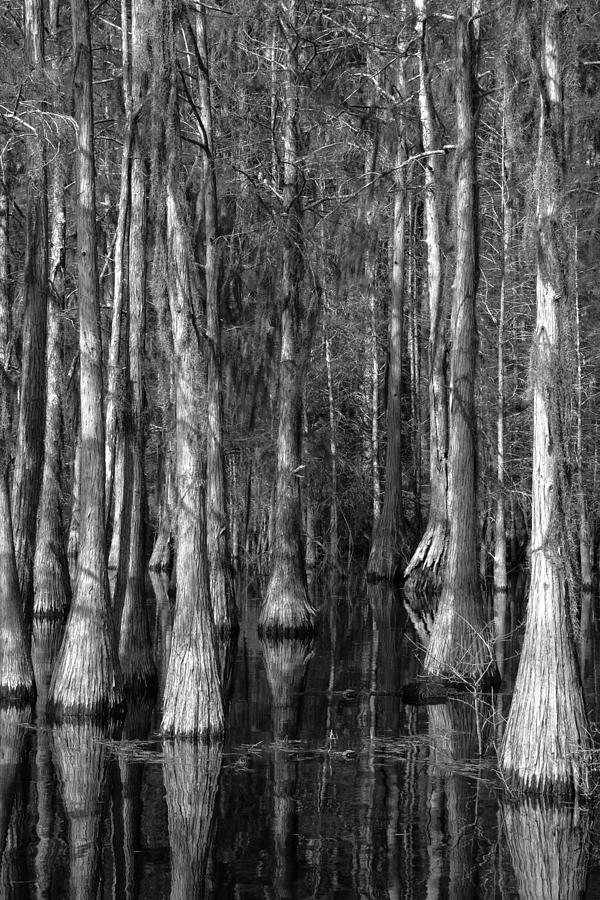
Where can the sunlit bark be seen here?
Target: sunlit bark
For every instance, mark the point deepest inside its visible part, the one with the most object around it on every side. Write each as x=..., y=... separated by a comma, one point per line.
x=287, y=609
x=546, y=743
x=217, y=524
x=192, y=705
x=90, y=682
x=51, y=584
x=29, y=455
x=458, y=648
x=135, y=648
x=423, y=575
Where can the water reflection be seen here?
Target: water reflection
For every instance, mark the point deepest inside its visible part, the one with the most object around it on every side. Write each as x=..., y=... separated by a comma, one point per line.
x=329, y=785
x=80, y=756
x=286, y=664
x=549, y=847
x=13, y=750
x=45, y=644
x=454, y=727
x=191, y=776
x=127, y=803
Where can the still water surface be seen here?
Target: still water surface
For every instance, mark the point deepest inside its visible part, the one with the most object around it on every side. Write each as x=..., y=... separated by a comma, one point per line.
x=329, y=785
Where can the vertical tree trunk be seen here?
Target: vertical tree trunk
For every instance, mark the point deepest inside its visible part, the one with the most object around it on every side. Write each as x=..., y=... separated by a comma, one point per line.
x=75, y=521
x=29, y=457
x=116, y=371
x=135, y=646
x=458, y=648
x=423, y=575
x=287, y=609
x=333, y=451
x=217, y=524
x=16, y=673
x=546, y=742
x=386, y=549
x=500, y=546
x=51, y=585
x=90, y=683
x=192, y=704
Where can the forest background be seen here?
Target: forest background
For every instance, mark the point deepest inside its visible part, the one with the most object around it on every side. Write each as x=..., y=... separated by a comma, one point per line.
x=235, y=244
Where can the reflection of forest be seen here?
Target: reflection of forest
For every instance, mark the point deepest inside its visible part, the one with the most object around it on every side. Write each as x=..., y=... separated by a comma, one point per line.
x=549, y=847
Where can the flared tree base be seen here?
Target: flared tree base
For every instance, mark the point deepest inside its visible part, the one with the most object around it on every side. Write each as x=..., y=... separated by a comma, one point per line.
x=286, y=612
x=87, y=679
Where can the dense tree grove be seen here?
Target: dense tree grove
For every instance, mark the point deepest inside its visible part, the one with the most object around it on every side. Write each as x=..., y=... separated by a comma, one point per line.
x=288, y=289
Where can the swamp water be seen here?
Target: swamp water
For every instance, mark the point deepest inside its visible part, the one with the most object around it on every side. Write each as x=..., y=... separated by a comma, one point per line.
x=329, y=785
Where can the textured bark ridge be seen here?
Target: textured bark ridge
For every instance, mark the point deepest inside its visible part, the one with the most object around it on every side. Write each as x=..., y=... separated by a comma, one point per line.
x=546, y=746
x=87, y=677
x=191, y=775
x=549, y=847
x=192, y=703
x=459, y=649
x=287, y=609
x=424, y=573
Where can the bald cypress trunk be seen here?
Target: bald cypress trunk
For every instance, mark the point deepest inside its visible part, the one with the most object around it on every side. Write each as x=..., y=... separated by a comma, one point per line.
x=217, y=524
x=387, y=547
x=423, y=575
x=29, y=457
x=546, y=743
x=135, y=647
x=90, y=683
x=458, y=648
x=192, y=704
x=51, y=583
x=287, y=608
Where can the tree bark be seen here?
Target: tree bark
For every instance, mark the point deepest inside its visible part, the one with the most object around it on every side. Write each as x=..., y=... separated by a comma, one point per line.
x=423, y=575
x=90, y=683
x=287, y=609
x=458, y=648
x=387, y=547
x=546, y=743
x=29, y=457
x=51, y=584
x=16, y=673
x=217, y=523
x=135, y=646
x=192, y=705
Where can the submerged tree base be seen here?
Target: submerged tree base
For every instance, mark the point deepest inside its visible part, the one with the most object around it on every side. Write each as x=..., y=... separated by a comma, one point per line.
x=286, y=612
